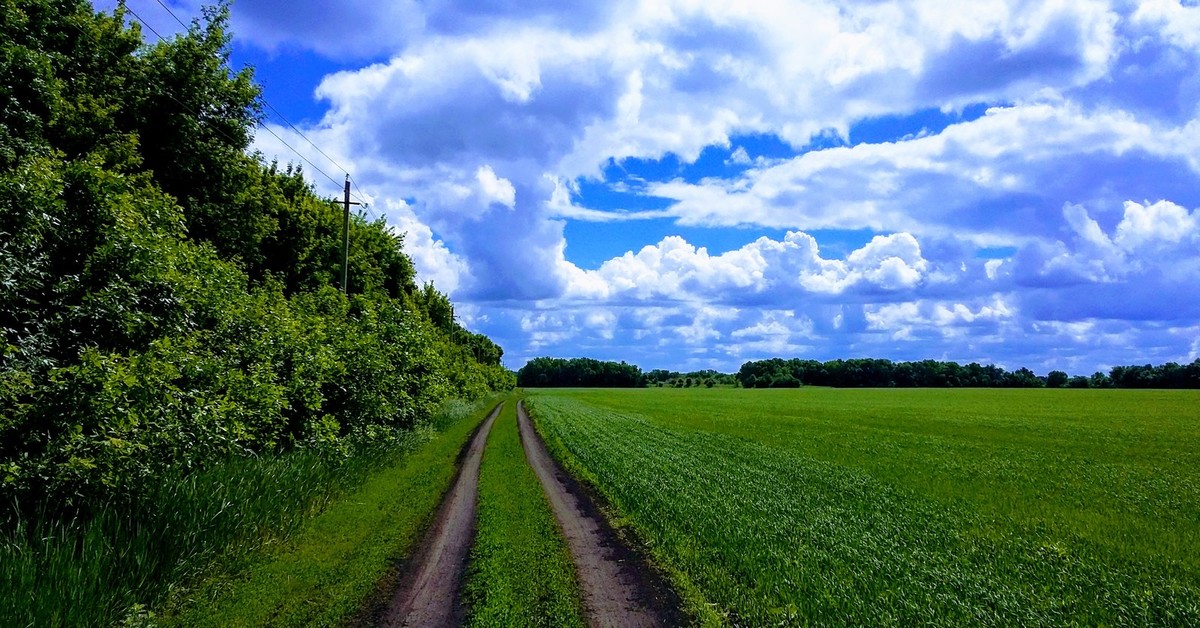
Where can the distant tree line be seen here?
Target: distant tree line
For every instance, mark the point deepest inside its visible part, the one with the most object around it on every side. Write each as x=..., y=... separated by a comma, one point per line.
x=856, y=373
x=578, y=372
x=589, y=373
x=674, y=379
x=876, y=373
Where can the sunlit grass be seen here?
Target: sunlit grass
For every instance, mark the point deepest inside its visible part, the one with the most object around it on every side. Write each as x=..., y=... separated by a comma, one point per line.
x=932, y=506
x=520, y=571
x=127, y=557
x=329, y=569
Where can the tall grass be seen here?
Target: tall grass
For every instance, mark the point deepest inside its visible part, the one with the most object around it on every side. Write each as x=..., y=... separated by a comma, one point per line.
x=127, y=554
x=336, y=569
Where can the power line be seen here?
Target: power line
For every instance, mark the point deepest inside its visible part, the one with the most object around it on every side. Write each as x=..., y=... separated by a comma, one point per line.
x=277, y=113
x=346, y=189
x=362, y=197
x=301, y=134
x=168, y=94
x=145, y=23
x=281, y=117
x=163, y=5
x=265, y=102
x=282, y=141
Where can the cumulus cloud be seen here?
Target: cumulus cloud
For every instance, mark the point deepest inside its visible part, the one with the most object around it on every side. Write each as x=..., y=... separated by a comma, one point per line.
x=1019, y=157
x=495, y=189
x=1179, y=23
x=1063, y=211
x=1160, y=238
x=787, y=269
x=941, y=317
x=1142, y=269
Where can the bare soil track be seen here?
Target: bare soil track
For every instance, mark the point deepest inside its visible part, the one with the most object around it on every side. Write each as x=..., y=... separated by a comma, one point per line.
x=618, y=587
x=429, y=591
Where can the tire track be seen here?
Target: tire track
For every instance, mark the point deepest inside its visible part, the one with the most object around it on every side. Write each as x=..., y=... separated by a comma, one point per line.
x=428, y=594
x=618, y=588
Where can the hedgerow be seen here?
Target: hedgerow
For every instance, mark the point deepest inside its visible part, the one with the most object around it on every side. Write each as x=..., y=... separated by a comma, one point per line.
x=168, y=300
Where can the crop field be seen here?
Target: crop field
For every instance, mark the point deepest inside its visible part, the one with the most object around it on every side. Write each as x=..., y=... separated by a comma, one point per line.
x=821, y=506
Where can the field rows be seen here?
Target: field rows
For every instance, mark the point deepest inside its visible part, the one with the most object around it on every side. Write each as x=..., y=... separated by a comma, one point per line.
x=768, y=532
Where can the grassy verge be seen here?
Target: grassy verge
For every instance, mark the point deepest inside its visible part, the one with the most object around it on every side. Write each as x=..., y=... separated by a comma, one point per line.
x=326, y=572
x=123, y=558
x=520, y=571
x=119, y=558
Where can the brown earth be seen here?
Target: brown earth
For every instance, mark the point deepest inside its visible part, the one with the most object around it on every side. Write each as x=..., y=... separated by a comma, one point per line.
x=617, y=585
x=429, y=591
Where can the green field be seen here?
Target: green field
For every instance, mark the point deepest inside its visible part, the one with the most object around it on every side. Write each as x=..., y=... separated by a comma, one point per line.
x=822, y=506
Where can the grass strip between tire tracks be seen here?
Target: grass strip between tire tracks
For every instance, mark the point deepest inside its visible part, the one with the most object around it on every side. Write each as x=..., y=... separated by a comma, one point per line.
x=326, y=572
x=520, y=571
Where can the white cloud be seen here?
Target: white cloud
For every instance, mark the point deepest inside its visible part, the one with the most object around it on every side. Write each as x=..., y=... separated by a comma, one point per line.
x=675, y=269
x=485, y=116
x=1180, y=24
x=928, y=183
x=495, y=189
x=1158, y=225
x=432, y=260
x=950, y=319
x=704, y=325
x=1161, y=237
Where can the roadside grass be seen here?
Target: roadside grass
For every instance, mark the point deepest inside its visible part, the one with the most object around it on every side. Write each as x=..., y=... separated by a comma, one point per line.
x=126, y=556
x=520, y=571
x=129, y=557
x=329, y=569
x=896, y=507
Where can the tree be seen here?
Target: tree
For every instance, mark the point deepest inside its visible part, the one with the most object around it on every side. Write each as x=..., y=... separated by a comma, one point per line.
x=1056, y=379
x=166, y=299
x=785, y=381
x=578, y=372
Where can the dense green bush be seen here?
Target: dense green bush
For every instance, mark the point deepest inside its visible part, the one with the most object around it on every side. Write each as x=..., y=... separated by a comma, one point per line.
x=168, y=300
x=132, y=551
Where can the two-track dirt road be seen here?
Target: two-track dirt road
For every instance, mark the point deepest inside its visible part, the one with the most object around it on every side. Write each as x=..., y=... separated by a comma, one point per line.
x=617, y=586
x=428, y=594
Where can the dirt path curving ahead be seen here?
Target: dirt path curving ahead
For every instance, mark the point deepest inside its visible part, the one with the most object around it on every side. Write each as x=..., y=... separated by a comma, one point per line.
x=618, y=588
x=428, y=594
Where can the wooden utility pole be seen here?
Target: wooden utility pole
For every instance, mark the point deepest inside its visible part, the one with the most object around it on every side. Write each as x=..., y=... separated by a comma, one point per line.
x=346, y=238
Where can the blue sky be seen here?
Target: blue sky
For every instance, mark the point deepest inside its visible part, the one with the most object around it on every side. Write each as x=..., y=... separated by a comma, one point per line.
x=687, y=184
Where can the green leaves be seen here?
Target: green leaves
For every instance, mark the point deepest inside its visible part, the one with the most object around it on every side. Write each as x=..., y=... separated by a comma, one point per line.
x=166, y=299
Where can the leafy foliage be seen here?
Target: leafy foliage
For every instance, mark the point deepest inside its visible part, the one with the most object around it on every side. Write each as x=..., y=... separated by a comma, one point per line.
x=166, y=299
x=579, y=372
x=675, y=379
x=871, y=373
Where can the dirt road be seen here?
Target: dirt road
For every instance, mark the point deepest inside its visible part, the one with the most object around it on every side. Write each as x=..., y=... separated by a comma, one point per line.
x=428, y=594
x=617, y=586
